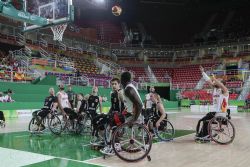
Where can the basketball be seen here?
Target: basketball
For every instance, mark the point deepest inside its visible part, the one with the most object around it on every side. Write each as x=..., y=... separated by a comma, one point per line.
x=116, y=10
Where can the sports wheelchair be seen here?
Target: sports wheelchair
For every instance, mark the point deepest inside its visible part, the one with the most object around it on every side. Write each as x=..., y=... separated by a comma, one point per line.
x=51, y=122
x=131, y=142
x=220, y=129
x=76, y=126
x=165, y=132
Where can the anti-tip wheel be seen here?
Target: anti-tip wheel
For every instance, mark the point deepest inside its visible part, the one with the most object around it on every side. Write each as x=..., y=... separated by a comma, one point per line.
x=148, y=157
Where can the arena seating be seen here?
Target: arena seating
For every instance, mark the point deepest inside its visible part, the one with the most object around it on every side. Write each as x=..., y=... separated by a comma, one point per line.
x=161, y=73
x=86, y=66
x=187, y=76
x=233, y=96
x=234, y=84
x=138, y=72
x=203, y=95
x=108, y=31
x=197, y=95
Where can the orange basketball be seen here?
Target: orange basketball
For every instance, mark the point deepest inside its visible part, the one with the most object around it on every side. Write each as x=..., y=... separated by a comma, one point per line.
x=116, y=10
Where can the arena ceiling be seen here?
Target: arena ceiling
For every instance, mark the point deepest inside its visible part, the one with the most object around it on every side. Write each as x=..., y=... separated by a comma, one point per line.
x=168, y=21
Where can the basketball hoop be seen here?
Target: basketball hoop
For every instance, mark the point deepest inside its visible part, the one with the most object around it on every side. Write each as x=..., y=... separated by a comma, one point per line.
x=58, y=31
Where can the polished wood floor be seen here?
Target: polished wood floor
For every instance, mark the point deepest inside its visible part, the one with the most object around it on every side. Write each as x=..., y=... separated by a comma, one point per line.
x=185, y=152
x=182, y=152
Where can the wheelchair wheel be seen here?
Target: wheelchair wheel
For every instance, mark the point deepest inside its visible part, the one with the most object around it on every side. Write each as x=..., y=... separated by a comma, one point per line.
x=221, y=130
x=108, y=134
x=55, y=125
x=131, y=143
x=87, y=125
x=98, y=136
x=80, y=125
x=166, y=131
x=32, y=125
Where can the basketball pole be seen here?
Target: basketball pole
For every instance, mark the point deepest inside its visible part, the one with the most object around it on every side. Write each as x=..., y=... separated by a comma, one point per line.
x=25, y=9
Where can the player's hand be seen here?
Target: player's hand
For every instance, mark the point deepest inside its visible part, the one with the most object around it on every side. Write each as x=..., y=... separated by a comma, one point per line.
x=65, y=115
x=157, y=124
x=201, y=69
x=213, y=77
x=120, y=95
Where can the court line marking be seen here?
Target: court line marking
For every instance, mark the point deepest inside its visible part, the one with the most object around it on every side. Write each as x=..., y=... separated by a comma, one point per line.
x=49, y=157
x=87, y=161
x=21, y=136
x=14, y=157
x=80, y=161
x=85, y=145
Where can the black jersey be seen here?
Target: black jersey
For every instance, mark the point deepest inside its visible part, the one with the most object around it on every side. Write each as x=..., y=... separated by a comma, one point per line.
x=71, y=95
x=155, y=112
x=116, y=104
x=48, y=102
x=83, y=106
x=93, y=102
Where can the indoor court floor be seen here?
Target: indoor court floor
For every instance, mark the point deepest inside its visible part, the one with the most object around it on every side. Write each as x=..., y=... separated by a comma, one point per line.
x=19, y=148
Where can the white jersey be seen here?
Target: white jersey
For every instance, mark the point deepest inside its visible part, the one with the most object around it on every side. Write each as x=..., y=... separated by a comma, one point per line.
x=220, y=101
x=128, y=103
x=64, y=99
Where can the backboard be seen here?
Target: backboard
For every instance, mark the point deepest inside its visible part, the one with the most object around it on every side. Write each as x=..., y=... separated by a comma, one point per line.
x=56, y=12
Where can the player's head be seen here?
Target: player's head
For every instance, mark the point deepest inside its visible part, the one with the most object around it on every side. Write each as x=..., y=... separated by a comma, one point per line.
x=95, y=89
x=80, y=96
x=51, y=91
x=216, y=86
x=61, y=87
x=125, y=78
x=155, y=97
x=115, y=83
x=9, y=92
x=152, y=89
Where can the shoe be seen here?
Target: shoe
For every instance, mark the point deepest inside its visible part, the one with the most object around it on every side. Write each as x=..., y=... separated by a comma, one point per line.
x=107, y=150
x=197, y=137
x=205, y=139
x=35, y=128
x=2, y=124
x=118, y=147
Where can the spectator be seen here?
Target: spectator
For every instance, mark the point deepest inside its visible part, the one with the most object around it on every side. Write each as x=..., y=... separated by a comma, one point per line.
x=1, y=97
x=8, y=97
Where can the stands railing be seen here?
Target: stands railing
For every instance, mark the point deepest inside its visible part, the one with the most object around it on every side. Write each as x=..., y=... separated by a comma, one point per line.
x=44, y=53
x=21, y=39
x=70, y=80
x=43, y=43
x=151, y=75
x=241, y=44
x=107, y=67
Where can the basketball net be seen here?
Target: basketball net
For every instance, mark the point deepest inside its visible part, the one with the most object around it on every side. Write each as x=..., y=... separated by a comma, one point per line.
x=58, y=31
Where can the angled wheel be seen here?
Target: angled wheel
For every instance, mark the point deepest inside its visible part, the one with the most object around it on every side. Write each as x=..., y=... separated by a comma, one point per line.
x=108, y=134
x=166, y=131
x=221, y=130
x=80, y=125
x=131, y=143
x=55, y=125
x=87, y=125
x=33, y=125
